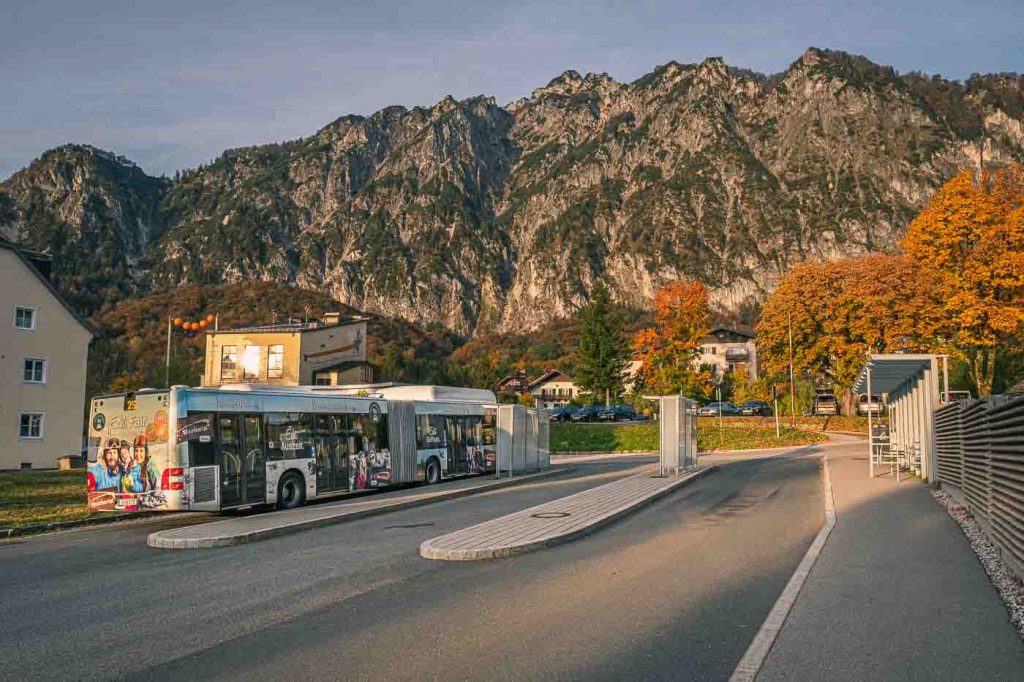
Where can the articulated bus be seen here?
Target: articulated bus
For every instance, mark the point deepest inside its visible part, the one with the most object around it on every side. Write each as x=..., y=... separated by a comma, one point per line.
x=234, y=447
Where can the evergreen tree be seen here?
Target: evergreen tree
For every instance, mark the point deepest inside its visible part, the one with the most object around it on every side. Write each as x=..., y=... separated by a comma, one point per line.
x=602, y=352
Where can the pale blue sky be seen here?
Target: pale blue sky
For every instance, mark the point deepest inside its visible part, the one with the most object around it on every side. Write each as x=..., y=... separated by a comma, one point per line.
x=171, y=84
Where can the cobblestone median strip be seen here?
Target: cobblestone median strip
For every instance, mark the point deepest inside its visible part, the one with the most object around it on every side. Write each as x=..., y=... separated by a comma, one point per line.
x=555, y=522
x=265, y=526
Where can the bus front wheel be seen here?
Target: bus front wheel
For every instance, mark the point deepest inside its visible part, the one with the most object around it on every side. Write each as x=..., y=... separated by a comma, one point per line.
x=291, y=492
x=432, y=474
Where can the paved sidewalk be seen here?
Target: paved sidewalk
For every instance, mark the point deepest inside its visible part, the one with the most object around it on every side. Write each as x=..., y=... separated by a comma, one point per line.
x=555, y=522
x=896, y=594
x=273, y=524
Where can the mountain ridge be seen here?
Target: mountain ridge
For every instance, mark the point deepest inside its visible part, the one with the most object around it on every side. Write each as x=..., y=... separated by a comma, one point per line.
x=486, y=218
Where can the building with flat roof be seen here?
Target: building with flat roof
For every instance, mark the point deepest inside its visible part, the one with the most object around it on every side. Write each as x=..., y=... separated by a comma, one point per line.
x=330, y=351
x=44, y=348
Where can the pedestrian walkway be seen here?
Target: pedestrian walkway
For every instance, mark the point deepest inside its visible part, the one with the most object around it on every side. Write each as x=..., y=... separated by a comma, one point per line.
x=555, y=522
x=896, y=594
x=245, y=529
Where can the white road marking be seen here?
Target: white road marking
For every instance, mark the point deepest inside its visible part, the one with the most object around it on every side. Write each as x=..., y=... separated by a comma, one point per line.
x=757, y=653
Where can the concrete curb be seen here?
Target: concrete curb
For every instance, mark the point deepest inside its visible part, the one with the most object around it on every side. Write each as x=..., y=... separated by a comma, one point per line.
x=428, y=551
x=160, y=541
x=53, y=526
x=757, y=653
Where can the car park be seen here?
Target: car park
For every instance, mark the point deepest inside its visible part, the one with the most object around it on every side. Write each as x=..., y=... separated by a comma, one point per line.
x=616, y=413
x=756, y=408
x=825, y=404
x=874, y=406
x=726, y=409
x=562, y=413
x=587, y=413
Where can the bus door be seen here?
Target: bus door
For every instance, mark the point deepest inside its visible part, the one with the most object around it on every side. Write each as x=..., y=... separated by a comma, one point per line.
x=229, y=448
x=340, y=450
x=242, y=459
x=458, y=462
x=255, y=472
x=324, y=443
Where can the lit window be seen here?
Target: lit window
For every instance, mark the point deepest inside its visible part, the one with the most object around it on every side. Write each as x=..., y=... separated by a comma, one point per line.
x=228, y=362
x=251, y=362
x=275, y=361
x=24, y=317
x=35, y=370
x=30, y=425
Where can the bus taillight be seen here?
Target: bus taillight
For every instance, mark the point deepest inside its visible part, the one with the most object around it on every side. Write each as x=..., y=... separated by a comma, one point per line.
x=91, y=481
x=171, y=480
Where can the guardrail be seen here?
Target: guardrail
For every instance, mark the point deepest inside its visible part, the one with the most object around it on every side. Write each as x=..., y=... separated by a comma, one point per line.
x=980, y=452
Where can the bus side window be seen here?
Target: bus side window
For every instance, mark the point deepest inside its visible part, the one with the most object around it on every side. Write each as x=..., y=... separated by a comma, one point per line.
x=289, y=435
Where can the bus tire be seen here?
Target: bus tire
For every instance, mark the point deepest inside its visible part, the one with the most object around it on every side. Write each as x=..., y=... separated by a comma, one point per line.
x=432, y=471
x=291, y=491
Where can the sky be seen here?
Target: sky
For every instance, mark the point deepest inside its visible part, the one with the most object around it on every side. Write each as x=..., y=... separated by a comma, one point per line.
x=171, y=84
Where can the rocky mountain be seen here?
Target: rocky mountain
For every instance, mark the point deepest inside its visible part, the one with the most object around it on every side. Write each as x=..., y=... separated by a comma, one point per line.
x=96, y=213
x=488, y=218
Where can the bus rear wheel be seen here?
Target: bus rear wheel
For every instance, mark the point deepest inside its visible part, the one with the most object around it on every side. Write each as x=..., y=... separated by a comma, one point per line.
x=291, y=493
x=432, y=472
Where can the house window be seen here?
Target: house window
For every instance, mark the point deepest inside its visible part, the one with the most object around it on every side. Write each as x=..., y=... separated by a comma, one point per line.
x=30, y=425
x=228, y=362
x=251, y=363
x=24, y=317
x=35, y=370
x=322, y=380
x=275, y=361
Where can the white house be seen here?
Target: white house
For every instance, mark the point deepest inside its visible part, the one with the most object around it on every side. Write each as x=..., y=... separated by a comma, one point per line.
x=729, y=350
x=44, y=345
x=553, y=388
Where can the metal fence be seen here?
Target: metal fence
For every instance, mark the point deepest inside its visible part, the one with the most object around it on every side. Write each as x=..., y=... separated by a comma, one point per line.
x=980, y=452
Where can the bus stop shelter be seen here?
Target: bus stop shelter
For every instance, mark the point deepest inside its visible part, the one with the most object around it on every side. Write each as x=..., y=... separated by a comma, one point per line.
x=910, y=384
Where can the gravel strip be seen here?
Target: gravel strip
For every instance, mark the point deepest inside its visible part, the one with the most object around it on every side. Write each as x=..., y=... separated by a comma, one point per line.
x=999, y=573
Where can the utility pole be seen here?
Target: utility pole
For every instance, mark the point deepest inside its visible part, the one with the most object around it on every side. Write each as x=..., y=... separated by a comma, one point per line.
x=167, y=357
x=792, y=386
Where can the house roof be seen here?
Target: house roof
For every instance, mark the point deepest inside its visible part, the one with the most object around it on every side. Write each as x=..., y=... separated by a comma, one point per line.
x=291, y=327
x=729, y=330
x=342, y=366
x=26, y=258
x=547, y=376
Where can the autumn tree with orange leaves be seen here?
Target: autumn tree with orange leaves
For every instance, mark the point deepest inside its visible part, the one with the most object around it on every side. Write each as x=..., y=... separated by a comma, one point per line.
x=682, y=317
x=843, y=309
x=969, y=240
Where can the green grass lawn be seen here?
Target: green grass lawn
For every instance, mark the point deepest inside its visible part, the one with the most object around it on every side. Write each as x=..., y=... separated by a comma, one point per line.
x=28, y=497
x=638, y=437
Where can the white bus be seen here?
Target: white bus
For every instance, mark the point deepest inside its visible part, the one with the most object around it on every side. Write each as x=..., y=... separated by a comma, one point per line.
x=233, y=447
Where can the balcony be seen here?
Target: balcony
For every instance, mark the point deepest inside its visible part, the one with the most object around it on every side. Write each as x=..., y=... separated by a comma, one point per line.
x=737, y=355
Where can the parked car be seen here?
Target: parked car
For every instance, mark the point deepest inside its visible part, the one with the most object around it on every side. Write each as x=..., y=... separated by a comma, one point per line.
x=756, y=408
x=713, y=410
x=559, y=414
x=874, y=406
x=616, y=413
x=955, y=396
x=825, y=404
x=587, y=413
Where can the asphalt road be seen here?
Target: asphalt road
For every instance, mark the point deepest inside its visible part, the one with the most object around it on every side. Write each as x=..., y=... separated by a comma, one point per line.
x=674, y=591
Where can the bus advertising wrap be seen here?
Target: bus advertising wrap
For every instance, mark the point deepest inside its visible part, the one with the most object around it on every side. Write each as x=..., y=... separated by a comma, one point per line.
x=129, y=468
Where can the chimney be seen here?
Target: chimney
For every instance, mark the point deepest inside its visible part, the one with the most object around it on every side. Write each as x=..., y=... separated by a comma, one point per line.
x=331, y=319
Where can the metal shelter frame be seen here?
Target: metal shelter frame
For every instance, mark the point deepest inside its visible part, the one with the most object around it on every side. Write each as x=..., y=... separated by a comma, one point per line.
x=910, y=383
x=677, y=442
